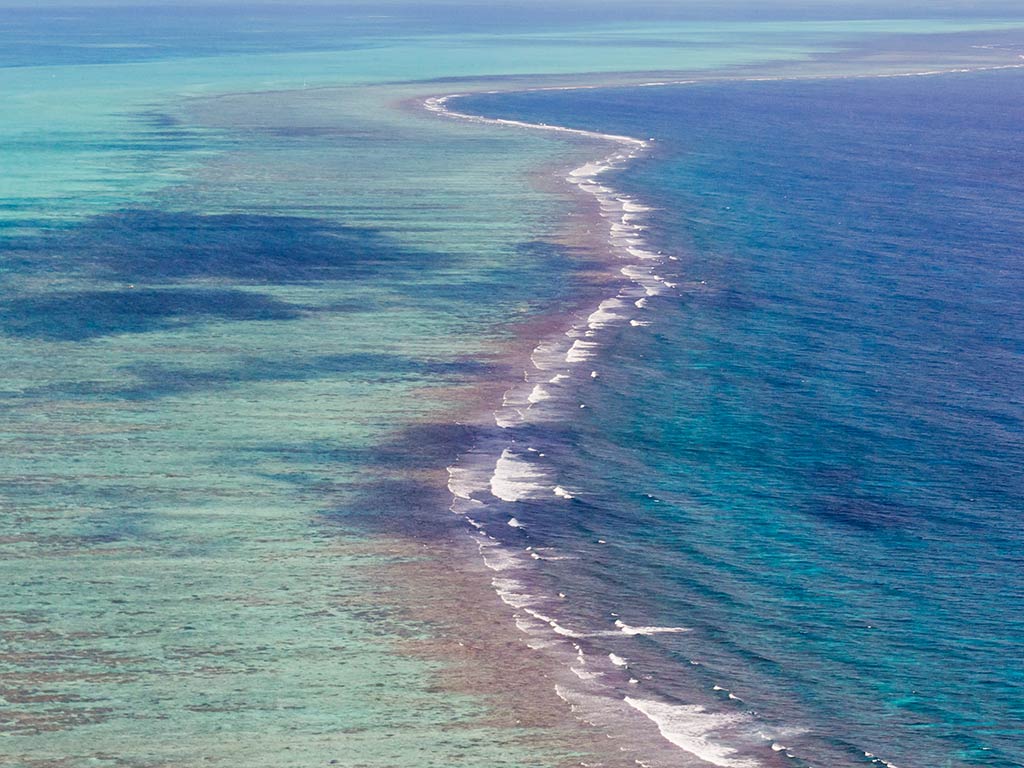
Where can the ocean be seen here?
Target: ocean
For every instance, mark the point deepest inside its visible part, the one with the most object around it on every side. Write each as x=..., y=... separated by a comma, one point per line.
x=263, y=301
x=789, y=472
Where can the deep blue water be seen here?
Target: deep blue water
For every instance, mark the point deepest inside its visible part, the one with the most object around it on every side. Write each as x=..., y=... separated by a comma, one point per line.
x=813, y=456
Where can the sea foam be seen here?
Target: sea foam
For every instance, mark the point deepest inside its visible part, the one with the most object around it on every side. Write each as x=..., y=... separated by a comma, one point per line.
x=690, y=728
x=516, y=478
x=627, y=629
x=517, y=474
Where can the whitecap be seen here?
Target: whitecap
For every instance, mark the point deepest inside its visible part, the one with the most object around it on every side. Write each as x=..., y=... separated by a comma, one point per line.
x=511, y=592
x=587, y=171
x=463, y=482
x=641, y=254
x=634, y=207
x=606, y=313
x=539, y=394
x=580, y=351
x=627, y=629
x=516, y=478
x=558, y=628
x=585, y=674
x=498, y=559
x=690, y=727
x=507, y=418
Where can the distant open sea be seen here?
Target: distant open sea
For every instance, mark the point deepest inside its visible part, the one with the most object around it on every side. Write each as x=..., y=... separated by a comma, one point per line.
x=266, y=312
x=788, y=469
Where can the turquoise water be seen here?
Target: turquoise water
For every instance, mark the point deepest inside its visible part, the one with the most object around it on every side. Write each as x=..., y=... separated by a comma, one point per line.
x=80, y=82
x=807, y=452
x=250, y=288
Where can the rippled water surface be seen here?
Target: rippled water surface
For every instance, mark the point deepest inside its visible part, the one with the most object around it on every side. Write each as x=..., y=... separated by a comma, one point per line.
x=810, y=458
x=250, y=287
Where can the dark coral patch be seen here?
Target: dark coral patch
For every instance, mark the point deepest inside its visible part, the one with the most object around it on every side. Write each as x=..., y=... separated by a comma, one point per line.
x=83, y=315
x=148, y=246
